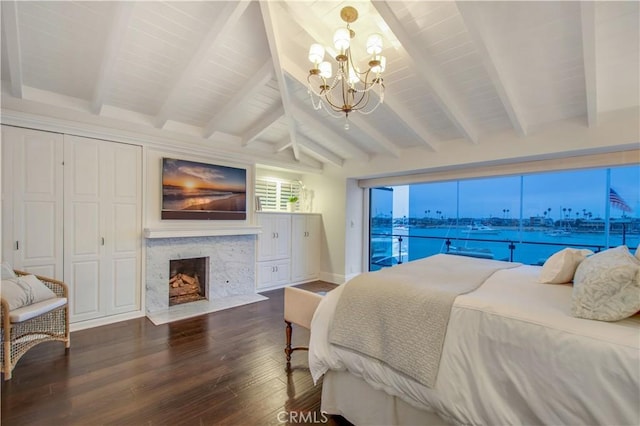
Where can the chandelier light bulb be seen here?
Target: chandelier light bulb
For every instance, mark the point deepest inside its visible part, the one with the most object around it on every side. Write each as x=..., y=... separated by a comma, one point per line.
x=378, y=69
x=316, y=53
x=341, y=39
x=374, y=44
x=325, y=69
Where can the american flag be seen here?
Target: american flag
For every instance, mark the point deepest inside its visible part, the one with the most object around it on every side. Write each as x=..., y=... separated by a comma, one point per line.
x=617, y=201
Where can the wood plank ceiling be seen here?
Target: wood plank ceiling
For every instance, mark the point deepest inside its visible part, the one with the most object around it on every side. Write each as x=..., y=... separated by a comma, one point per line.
x=232, y=75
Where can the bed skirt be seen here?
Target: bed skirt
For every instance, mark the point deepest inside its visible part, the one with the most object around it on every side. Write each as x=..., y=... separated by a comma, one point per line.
x=354, y=399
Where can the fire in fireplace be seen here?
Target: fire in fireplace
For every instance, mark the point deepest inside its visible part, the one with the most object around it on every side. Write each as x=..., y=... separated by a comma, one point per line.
x=188, y=280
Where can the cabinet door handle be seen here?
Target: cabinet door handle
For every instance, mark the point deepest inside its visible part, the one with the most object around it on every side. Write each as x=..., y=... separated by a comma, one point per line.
x=276, y=268
x=277, y=235
x=102, y=240
x=17, y=245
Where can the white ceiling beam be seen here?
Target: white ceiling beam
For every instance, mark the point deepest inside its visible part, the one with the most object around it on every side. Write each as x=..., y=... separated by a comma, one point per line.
x=248, y=91
x=311, y=162
x=588, y=21
x=315, y=124
x=320, y=152
x=12, y=39
x=319, y=32
x=225, y=21
x=273, y=37
x=118, y=28
x=281, y=146
x=490, y=59
x=430, y=76
x=262, y=125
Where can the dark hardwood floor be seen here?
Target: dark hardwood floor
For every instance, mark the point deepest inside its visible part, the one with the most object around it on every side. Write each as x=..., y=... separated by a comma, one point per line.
x=226, y=367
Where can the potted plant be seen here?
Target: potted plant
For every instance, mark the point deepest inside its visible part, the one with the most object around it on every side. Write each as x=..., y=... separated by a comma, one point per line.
x=292, y=203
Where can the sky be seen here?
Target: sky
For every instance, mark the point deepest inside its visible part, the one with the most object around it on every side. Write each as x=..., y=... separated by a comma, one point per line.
x=582, y=191
x=190, y=174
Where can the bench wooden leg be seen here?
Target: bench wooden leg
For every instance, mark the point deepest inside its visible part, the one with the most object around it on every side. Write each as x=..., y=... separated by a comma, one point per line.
x=287, y=349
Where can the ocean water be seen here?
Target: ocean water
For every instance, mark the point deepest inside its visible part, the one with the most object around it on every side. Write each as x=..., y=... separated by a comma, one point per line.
x=531, y=246
x=178, y=198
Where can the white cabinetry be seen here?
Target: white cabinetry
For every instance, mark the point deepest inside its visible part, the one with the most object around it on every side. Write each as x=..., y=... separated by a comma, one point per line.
x=274, y=249
x=288, y=249
x=32, y=209
x=305, y=247
x=273, y=273
x=102, y=227
x=275, y=240
x=71, y=209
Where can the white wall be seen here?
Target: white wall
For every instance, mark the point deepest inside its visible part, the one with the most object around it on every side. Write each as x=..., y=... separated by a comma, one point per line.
x=356, y=228
x=330, y=200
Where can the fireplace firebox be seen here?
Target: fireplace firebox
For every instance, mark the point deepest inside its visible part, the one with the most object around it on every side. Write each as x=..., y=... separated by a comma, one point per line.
x=188, y=280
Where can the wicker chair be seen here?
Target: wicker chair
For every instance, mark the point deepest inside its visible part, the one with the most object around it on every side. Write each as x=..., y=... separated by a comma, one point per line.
x=23, y=332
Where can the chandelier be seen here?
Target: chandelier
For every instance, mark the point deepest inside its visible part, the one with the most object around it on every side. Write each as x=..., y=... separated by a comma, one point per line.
x=350, y=88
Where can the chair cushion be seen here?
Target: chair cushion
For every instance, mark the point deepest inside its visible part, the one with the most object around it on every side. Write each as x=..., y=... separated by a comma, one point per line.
x=7, y=271
x=24, y=290
x=31, y=311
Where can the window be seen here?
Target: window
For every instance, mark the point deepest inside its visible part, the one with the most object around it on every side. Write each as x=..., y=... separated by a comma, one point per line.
x=522, y=218
x=274, y=193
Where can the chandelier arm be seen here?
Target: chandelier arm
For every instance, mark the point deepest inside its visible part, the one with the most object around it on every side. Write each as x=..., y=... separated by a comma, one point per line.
x=355, y=69
x=364, y=96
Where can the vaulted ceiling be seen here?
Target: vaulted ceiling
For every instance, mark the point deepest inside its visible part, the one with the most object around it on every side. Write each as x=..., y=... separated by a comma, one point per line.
x=232, y=76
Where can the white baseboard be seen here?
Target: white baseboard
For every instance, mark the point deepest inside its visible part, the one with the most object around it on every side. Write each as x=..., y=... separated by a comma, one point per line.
x=83, y=325
x=350, y=276
x=332, y=278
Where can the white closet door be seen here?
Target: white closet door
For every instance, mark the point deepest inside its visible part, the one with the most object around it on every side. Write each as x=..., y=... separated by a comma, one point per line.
x=32, y=200
x=103, y=182
x=84, y=199
x=124, y=225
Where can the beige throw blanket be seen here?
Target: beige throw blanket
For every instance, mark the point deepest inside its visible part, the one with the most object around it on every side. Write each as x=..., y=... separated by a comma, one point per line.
x=399, y=315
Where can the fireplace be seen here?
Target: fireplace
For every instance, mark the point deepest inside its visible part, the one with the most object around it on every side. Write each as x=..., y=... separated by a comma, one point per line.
x=188, y=280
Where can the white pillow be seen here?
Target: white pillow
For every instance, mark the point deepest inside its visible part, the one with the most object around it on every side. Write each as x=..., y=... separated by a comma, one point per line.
x=24, y=290
x=606, y=286
x=7, y=271
x=560, y=267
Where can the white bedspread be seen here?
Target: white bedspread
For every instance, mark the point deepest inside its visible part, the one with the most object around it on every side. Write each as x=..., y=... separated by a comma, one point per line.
x=512, y=355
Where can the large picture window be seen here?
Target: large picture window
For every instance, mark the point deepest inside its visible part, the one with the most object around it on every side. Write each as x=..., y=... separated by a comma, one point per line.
x=522, y=218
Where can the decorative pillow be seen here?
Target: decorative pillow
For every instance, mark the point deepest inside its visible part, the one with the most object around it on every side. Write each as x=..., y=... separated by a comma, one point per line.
x=24, y=290
x=638, y=252
x=560, y=267
x=606, y=286
x=7, y=271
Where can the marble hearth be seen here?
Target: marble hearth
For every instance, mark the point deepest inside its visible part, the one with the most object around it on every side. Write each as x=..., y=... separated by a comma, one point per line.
x=232, y=273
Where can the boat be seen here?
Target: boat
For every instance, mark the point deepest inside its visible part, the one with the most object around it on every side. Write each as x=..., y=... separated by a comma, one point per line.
x=559, y=233
x=482, y=253
x=481, y=229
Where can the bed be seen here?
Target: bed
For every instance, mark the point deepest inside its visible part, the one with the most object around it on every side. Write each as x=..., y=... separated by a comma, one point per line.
x=512, y=354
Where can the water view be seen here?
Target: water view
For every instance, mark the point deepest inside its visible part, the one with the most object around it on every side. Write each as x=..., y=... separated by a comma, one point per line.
x=520, y=218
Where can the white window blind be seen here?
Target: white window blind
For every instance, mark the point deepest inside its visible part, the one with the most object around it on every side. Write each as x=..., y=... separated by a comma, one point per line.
x=274, y=195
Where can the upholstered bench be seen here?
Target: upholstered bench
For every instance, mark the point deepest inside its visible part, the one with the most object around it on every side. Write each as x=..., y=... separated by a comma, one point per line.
x=299, y=306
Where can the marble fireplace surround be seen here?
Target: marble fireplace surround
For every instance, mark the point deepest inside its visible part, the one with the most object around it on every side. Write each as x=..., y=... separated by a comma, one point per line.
x=232, y=269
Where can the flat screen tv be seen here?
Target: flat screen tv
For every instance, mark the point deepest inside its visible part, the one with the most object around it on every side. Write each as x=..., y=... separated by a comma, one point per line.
x=200, y=191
